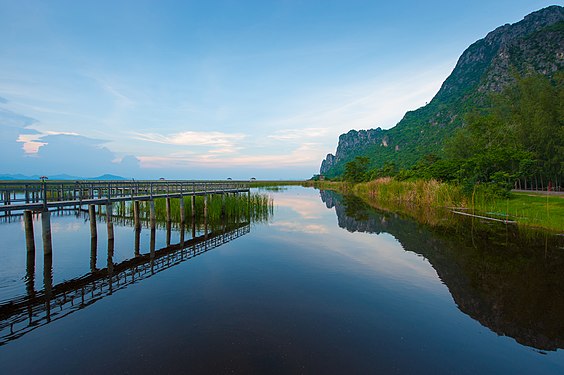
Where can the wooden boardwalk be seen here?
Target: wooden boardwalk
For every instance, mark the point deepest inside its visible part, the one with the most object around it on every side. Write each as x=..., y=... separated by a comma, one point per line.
x=43, y=195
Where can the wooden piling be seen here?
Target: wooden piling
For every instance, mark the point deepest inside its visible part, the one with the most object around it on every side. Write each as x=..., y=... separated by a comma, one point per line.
x=168, y=209
x=181, y=202
x=48, y=282
x=93, y=253
x=92, y=215
x=30, y=258
x=136, y=215
x=193, y=206
x=168, y=232
x=137, y=241
x=152, y=214
x=46, y=232
x=29, y=237
x=109, y=223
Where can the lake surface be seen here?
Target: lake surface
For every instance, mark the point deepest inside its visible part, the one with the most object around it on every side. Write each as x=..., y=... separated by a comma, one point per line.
x=325, y=285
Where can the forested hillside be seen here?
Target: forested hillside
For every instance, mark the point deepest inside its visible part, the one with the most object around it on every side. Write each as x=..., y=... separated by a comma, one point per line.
x=532, y=47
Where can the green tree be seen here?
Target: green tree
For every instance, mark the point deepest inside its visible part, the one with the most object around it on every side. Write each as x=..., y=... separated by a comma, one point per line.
x=356, y=170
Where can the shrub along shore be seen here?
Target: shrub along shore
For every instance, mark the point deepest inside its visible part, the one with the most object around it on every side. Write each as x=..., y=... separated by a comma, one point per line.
x=421, y=199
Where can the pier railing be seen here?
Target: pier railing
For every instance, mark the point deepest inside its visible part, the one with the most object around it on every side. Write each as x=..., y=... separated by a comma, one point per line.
x=41, y=195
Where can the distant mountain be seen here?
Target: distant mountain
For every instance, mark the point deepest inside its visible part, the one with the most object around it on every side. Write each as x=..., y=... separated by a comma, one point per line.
x=18, y=177
x=104, y=177
x=534, y=45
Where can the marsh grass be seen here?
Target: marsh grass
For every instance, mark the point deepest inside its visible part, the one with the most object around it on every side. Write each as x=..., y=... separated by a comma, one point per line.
x=255, y=207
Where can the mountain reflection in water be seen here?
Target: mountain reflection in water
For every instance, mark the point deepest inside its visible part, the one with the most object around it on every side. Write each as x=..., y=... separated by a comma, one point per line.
x=510, y=281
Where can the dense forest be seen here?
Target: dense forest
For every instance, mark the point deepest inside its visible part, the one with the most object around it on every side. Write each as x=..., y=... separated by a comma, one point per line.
x=516, y=141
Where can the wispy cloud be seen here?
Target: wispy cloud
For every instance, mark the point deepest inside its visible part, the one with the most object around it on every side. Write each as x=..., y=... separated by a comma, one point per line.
x=288, y=226
x=298, y=134
x=223, y=143
x=304, y=155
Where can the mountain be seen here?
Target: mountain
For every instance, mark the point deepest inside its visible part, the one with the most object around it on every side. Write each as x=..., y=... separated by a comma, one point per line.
x=534, y=45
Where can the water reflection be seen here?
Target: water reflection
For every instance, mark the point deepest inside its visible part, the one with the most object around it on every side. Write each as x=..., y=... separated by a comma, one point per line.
x=510, y=281
x=26, y=313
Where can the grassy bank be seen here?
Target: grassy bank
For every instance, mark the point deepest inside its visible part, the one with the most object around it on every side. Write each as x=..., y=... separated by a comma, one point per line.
x=422, y=200
x=536, y=210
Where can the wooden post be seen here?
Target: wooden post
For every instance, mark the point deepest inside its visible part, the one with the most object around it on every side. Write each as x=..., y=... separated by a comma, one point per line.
x=181, y=210
x=152, y=248
x=48, y=281
x=110, y=262
x=249, y=205
x=152, y=214
x=136, y=215
x=182, y=233
x=92, y=215
x=29, y=237
x=46, y=232
x=205, y=207
x=193, y=206
x=30, y=259
x=168, y=232
x=109, y=223
x=167, y=209
x=93, y=253
x=137, y=241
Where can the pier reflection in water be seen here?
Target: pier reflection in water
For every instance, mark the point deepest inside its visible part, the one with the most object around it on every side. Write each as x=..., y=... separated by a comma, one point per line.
x=25, y=313
x=20, y=314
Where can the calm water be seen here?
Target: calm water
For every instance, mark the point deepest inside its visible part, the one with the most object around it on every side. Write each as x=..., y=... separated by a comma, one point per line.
x=327, y=285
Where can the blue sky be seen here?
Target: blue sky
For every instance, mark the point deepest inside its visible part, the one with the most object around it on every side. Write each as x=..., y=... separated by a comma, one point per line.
x=217, y=89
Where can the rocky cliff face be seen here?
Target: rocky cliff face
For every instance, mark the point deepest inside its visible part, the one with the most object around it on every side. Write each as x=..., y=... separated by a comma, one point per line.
x=350, y=142
x=534, y=45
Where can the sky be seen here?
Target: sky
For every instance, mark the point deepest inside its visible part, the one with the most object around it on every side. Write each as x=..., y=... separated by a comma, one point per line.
x=219, y=89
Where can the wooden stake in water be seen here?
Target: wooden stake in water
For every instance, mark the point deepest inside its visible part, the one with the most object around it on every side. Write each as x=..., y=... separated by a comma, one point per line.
x=136, y=215
x=109, y=223
x=29, y=237
x=152, y=214
x=92, y=214
x=181, y=202
x=46, y=232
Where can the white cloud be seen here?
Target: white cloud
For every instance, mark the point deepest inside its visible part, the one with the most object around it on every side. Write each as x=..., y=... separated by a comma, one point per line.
x=192, y=138
x=290, y=226
x=298, y=134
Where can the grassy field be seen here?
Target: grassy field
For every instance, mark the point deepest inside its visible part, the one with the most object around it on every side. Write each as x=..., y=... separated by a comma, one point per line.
x=533, y=209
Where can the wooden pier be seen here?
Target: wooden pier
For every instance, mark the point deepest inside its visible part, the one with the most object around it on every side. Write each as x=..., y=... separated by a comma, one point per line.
x=43, y=195
x=40, y=196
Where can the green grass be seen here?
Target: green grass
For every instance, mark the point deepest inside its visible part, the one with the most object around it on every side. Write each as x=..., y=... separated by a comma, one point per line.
x=255, y=207
x=532, y=209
